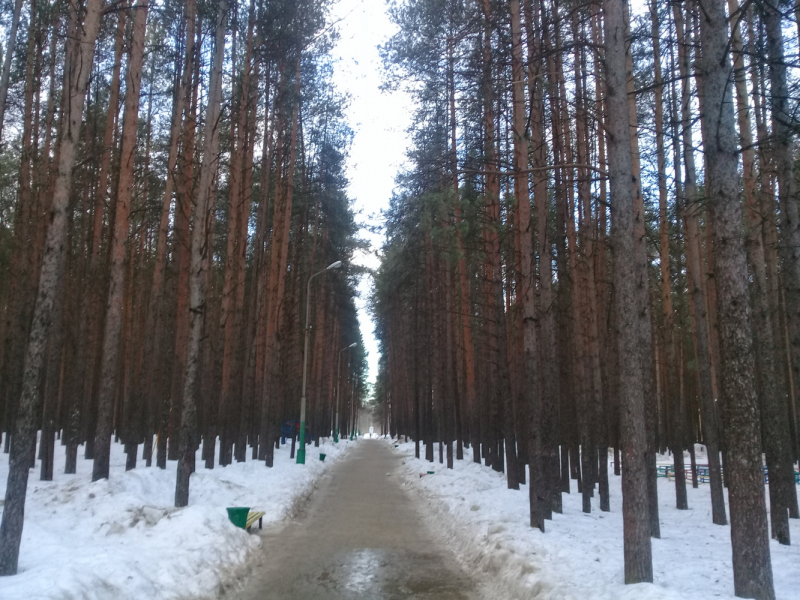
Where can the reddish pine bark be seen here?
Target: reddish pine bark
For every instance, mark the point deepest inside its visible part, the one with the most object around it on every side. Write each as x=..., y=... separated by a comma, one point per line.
x=116, y=291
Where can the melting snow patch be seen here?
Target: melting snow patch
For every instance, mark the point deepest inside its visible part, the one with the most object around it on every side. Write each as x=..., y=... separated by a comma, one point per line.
x=122, y=538
x=580, y=556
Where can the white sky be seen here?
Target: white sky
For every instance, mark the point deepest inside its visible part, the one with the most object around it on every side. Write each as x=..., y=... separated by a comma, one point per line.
x=380, y=121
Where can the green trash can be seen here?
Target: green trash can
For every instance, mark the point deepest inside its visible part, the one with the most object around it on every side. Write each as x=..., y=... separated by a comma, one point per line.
x=322, y=456
x=238, y=515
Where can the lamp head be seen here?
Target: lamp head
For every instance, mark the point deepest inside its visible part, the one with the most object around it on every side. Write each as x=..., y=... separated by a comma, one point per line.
x=353, y=345
x=336, y=265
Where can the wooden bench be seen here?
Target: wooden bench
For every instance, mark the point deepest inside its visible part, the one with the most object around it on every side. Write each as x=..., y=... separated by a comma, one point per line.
x=252, y=517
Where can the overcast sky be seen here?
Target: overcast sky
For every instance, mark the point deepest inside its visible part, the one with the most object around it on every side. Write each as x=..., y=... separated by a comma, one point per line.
x=379, y=120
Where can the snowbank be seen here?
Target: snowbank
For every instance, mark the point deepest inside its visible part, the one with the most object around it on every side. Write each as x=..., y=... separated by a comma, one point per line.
x=580, y=555
x=121, y=538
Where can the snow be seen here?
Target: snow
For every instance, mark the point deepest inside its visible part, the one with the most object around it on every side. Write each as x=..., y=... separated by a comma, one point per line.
x=580, y=556
x=122, y=538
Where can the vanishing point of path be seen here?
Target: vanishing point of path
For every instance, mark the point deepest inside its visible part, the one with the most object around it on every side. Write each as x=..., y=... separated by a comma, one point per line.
x=359, y=538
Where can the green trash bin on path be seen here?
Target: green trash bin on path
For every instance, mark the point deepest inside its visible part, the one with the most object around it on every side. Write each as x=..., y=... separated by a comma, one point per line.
x=238, y=515
x=322, y=456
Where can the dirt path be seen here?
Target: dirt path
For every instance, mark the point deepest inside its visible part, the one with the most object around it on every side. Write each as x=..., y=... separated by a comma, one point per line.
x=358, y=538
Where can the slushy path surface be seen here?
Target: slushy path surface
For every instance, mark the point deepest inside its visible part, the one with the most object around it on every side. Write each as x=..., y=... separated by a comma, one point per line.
x=358, y=538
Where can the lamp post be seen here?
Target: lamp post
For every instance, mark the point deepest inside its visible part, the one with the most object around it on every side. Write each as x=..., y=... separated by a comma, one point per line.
x=301, y=450
x=339, y=387
x=352, y=411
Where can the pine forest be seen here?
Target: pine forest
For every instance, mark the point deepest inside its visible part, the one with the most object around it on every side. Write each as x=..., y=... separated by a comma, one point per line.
x=590, y=260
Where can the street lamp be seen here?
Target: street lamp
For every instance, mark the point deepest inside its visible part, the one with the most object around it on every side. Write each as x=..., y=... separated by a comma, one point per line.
x=301, y=450
x=338, y=387
x=352, y=411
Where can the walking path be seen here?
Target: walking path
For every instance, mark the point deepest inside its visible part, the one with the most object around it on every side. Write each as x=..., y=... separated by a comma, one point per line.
x=359, y=538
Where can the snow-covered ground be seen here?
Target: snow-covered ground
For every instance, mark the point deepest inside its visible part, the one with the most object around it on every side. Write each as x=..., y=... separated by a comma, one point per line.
x=580, y=555
x=121, y=538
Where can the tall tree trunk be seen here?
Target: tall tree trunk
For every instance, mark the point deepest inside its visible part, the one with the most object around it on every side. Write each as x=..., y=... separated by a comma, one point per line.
x=496, y=319
x=778, y=444
x=248, y=124
x=53, y=380
x=671, y=391
x=254, y=374
x=182, y=249
x=271, y=284
x=605, y=431
x=694, y=269
x=769, y=378
x=547, y=444
x=277, y=278
x=108, y=138
x=689, y=411
x=538, y=489
x=635, y=512
x=227, y=328
x=116, y=291
x=82, y=51
x=200, y=251
x=97, y=266
x=767, y=207
x=752, y=569
x=525, y=282
x=155, y=317
x=643, y=295
x=25, y=250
